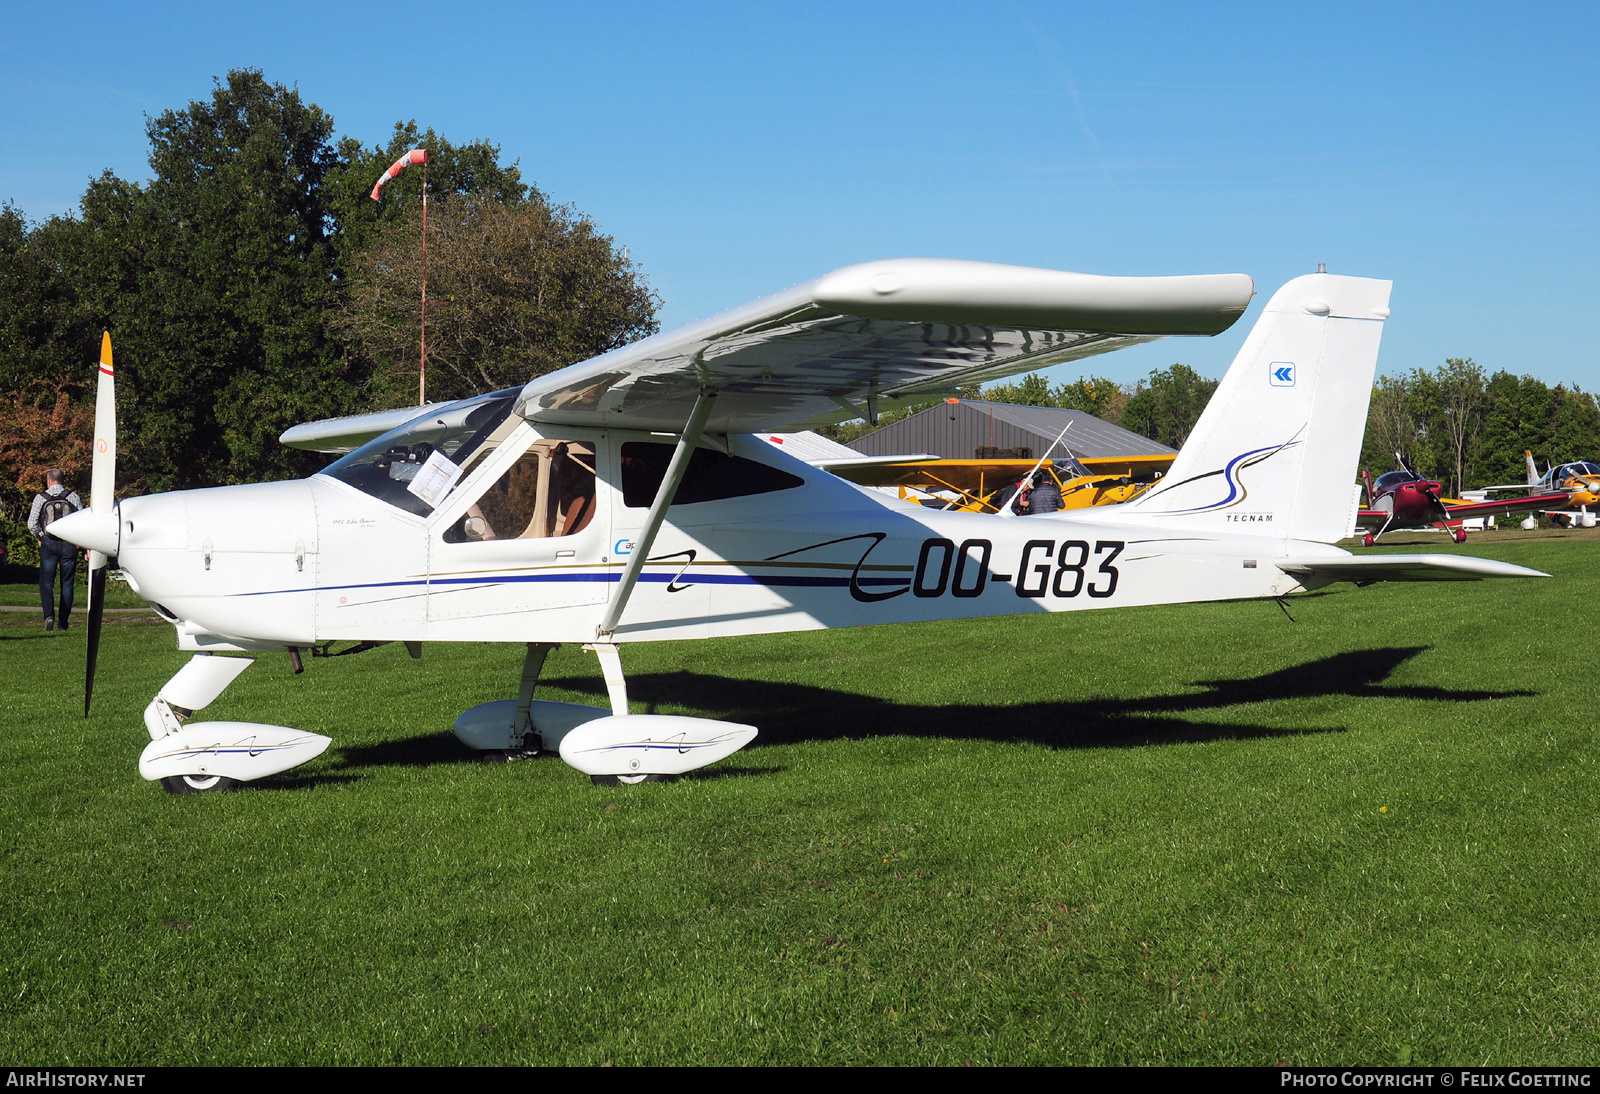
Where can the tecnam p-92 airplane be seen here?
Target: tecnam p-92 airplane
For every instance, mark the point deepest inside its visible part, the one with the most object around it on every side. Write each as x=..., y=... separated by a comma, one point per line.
x=623, y=499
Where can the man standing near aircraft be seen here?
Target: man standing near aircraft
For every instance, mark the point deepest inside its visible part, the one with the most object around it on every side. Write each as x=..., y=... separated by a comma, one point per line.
x=1045, y=497
x=54, y=554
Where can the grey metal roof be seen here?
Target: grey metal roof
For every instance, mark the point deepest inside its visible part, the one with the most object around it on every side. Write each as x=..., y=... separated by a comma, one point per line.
x=956, y=430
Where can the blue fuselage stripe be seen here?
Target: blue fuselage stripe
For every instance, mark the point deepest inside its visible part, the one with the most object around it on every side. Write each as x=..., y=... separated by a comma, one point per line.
x=682, y=581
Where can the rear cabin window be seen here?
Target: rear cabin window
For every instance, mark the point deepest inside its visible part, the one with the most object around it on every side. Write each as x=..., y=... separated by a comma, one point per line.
x=712, y=476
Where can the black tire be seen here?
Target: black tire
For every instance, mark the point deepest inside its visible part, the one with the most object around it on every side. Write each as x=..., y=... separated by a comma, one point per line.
x=198, y=784
x=508, y=755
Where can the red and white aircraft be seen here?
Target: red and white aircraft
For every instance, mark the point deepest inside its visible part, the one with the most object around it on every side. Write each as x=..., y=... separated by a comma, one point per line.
x=1405, y=499
x=624, y=499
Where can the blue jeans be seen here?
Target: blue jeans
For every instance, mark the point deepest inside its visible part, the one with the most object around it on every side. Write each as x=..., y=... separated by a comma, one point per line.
x=56, y=554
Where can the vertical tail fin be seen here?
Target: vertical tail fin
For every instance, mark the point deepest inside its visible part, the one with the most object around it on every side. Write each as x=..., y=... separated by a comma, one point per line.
x=1276, y=449
x=1533, y=468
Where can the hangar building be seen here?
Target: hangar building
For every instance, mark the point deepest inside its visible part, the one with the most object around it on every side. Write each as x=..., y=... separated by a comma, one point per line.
x=968, y=429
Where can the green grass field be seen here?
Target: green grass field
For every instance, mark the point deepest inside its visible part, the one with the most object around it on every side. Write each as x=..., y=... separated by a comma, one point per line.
x=1196, y=834
x=19, y=587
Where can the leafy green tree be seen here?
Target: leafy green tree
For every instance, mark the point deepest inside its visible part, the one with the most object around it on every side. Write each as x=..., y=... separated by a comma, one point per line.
x=1429, y=451
x=1166, y=406
x=219, y=278
x=1391, y=426
x=846, y=431
x=1096, y=395
x=1032, y=390
x=1462, y=406
x=213, y=280
x=39, y=334
x=1092, y=394
x=1516, y=422
x=515, y=291
x=452, y=170
x=1467, y=430
x=1574, y=430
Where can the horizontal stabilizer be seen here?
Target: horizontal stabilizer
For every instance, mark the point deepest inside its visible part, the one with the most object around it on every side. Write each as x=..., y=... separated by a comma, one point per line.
x=1365, y=569
x=863, y=463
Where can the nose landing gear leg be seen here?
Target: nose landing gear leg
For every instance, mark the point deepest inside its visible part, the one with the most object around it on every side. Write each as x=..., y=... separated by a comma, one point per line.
x=204, y=757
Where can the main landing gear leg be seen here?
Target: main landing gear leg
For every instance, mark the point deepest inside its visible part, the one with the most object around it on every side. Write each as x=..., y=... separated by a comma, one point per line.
x=515, y=729
x=532, y=666
x=611, y=666
x=617, y=691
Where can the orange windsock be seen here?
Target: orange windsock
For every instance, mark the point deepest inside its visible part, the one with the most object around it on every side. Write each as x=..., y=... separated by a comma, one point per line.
x=416, y=155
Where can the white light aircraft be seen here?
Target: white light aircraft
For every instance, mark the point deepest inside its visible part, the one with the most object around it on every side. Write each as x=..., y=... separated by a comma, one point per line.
x=625, y=499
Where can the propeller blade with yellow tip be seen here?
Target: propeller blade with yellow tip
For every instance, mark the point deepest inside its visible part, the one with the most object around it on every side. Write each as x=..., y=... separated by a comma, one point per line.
x=102, y=501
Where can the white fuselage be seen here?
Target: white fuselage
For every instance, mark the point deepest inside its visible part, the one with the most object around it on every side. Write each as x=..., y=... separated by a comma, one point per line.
x=299, y=563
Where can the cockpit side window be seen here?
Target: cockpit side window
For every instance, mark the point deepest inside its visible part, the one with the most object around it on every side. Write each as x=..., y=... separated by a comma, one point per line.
x=549, y=492
x=416, y=466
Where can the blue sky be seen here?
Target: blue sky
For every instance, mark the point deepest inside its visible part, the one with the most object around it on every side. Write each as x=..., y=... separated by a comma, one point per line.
x=737, y=149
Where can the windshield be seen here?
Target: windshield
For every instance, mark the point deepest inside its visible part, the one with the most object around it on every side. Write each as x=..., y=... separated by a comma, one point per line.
x=1390, y=479
x=416, y=466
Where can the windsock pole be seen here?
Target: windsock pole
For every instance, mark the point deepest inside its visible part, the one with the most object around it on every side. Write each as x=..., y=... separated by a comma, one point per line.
x=422, y=362
x=415, y=156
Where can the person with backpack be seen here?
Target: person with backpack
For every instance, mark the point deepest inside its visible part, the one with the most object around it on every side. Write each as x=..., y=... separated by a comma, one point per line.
x=55, y=555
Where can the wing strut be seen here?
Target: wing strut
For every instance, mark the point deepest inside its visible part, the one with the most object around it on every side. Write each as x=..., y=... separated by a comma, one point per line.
x=658, y=510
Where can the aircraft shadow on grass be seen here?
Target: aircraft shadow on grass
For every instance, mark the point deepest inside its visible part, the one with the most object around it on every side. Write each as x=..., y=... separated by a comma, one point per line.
x=790, y=713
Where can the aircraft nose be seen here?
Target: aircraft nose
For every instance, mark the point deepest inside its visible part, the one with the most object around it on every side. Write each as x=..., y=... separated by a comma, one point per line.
x=95, y=531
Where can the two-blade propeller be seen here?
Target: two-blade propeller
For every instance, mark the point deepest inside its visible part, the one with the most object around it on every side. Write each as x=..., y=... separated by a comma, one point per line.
x=102, y=501
x=1437, y=509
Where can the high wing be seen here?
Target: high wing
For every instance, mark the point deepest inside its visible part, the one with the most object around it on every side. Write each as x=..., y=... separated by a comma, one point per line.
x=860, y=338
x=851, y=343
